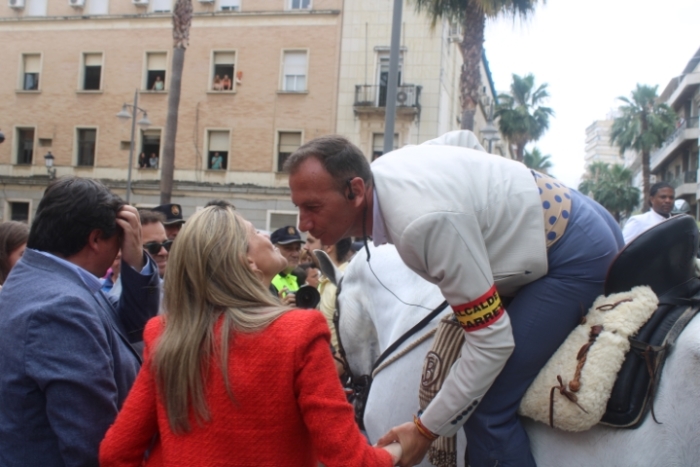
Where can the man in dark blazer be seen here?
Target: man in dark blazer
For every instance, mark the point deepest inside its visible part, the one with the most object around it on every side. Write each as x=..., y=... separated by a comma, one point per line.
x=66, y=355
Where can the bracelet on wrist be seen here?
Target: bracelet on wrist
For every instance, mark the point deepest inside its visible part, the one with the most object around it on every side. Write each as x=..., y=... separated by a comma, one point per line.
x=423, y=430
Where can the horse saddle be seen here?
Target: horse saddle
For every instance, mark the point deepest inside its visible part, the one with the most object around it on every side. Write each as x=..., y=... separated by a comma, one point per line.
x=663, y=258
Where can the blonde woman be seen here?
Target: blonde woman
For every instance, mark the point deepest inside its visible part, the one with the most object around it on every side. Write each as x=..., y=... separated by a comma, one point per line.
x=231, y=377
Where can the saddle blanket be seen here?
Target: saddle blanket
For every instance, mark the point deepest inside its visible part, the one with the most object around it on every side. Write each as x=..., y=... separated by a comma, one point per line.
x=572, y=390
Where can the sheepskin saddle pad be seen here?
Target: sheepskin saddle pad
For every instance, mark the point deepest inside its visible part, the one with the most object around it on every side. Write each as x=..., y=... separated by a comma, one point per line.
x=580, y=385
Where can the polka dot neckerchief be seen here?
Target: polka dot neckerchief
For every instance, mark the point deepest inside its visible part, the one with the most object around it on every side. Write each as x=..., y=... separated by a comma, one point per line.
x=556, y=202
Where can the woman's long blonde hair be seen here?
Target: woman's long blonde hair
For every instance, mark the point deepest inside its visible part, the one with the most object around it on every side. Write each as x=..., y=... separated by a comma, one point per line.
x=208, y=277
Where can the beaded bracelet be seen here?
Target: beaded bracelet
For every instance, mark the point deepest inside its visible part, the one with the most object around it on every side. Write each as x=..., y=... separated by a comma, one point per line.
x=423, y=430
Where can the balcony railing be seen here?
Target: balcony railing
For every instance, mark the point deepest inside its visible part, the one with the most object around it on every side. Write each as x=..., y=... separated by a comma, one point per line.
x=372, y=95
x=685, y=177
x=683, y=124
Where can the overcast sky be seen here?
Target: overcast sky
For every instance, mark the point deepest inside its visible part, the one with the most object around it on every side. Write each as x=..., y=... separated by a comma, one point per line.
x=590, y=53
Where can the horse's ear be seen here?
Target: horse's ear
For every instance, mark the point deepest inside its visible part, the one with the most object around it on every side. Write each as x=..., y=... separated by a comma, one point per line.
x=327, y=267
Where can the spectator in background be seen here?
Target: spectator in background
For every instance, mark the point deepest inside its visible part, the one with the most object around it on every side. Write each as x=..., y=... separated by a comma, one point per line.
x=339, y=254
x=154, y=239
x=217, y=86
x=66, y=352
x=661, y=198
x=232, y=377
x=226, y=83
x=289, y=242
x=217, y=161
x=308, y=248
x=173, y=218
x=143, y=161
x=158, y=84
x=13, y=240
x=111, y=285
x=313, y=274
x=153, y=161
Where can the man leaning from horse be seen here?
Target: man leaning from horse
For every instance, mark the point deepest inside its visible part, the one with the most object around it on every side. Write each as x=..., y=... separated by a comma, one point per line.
x=488, y=231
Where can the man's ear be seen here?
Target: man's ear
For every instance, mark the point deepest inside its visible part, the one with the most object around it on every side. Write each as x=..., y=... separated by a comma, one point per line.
x=358, y=189
x=93, y=239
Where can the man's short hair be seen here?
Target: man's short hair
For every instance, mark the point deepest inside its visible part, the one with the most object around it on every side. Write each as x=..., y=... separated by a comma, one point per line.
x=71, y=208
x=341, y=159
x=151, y=217
x=658, y=186
x=222, y=203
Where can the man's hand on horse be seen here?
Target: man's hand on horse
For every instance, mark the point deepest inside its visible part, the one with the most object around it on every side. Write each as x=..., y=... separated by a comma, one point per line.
x=413, y=443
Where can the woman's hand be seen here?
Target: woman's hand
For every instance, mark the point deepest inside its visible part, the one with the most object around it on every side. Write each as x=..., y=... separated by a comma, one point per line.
x=395, y=450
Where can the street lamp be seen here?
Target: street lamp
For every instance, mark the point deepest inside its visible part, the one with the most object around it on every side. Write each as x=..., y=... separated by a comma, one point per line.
x=489, y=132
x=124, y=114
x=48, y=162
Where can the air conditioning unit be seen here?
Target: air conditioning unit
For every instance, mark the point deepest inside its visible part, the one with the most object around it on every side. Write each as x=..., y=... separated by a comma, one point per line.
x=77, y=3
x=140, y=2
x=17, y=4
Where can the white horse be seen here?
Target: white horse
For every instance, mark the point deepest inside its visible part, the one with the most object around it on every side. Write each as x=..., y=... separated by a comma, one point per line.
x=372, y=316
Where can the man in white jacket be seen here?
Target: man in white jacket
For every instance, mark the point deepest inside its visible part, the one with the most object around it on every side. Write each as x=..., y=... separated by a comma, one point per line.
x=486, y=230
x=661, y=197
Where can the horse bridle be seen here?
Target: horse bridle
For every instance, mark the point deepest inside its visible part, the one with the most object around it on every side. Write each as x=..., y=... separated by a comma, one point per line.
x=359, y=386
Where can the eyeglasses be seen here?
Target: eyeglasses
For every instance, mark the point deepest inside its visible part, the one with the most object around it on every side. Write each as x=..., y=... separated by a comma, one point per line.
x=154, y=247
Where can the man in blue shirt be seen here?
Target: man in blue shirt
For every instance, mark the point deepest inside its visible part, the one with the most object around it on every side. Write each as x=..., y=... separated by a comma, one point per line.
x=66, y=351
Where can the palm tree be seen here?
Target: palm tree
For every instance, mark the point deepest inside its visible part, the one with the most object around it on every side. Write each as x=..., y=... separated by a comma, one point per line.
x=536, y=161
x=612, y=187
x=644, y=124
x=471, y=15
x=182, y=20
x=522, y=117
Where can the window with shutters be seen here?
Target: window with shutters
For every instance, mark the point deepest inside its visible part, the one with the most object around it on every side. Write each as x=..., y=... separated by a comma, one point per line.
x=18, y=211
x=86, y=142
x=378, y=144
x=98, y=7
x=230, y=5
x=25, y=145
x=36, y=7
x=294, y=68
x=287, y=143
x=150, y=149
x=156, y=64
x=31, y=66
x=161, y=6
x=92, y=71
x=223, y=71
x=279, y=219
x=218, y=144
x=299, y=4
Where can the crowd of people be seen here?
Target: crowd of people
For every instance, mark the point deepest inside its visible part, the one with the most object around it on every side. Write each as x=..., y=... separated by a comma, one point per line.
x=138, y=337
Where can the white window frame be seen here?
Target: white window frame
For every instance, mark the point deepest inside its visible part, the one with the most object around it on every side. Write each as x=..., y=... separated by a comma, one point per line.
x=290, y=5
x=270, y=212
x=98, y=7
x=144, y=83
x=207, y=132
x=282, y=71
x=22, y=67
x=76, y=144
x=275, y=157
x=81, y=75
x=152, y=6
x=212, y=61
x=231, y=5
x=36, y=8
x=6, y=212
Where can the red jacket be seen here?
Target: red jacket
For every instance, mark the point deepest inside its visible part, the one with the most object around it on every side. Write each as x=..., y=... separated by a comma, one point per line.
x=289, y=407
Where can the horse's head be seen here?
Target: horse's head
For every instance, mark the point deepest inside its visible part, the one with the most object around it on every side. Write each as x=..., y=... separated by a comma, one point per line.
x=356, y=332
x=379, y=301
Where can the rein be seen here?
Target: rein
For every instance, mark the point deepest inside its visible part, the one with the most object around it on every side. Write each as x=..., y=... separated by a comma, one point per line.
x=360, y=385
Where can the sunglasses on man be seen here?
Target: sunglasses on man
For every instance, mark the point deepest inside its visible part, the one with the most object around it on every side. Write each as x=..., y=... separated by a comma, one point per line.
x=154, y=247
